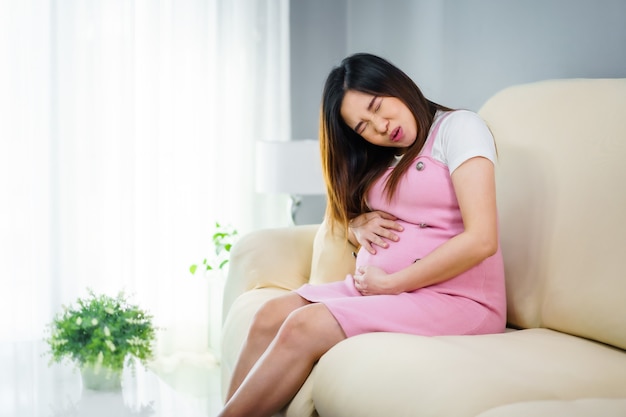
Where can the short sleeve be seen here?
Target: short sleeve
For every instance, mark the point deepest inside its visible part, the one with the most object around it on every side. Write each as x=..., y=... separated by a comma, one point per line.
x=463, y=135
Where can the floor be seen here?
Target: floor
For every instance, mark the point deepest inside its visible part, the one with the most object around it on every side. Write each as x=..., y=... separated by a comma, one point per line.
x=182, y=385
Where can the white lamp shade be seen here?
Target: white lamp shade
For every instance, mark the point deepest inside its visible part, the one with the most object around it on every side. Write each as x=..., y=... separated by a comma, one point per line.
x=292, y=167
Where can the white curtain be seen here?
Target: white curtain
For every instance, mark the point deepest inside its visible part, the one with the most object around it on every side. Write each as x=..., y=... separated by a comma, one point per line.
x=127, y=130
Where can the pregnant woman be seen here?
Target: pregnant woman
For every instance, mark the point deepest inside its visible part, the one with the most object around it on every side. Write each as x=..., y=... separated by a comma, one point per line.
x=412, y=183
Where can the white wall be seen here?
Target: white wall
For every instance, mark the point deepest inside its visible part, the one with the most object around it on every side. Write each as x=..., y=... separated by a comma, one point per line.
x=318, y=42
x=462, y=52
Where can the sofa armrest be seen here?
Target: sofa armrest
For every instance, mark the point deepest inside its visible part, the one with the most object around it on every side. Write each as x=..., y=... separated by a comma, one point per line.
x=269, y=258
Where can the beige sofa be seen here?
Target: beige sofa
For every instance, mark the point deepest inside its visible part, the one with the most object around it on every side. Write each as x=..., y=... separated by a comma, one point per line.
x=562, y=202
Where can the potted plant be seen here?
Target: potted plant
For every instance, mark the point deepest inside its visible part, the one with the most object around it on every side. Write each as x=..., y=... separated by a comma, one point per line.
x=223, y=238
x=100, y=335
x=215, y=267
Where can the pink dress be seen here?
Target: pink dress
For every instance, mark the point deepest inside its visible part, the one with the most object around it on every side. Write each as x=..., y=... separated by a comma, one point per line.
x=473, y=302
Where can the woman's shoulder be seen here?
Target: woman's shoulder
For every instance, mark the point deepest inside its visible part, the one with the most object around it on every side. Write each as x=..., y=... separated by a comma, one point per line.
x=463, y=122
x=463, y=134
x=461, y=118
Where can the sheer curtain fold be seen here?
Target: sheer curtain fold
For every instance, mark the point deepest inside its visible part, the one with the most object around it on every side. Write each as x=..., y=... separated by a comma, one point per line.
x=25, y=166
x=128, y=129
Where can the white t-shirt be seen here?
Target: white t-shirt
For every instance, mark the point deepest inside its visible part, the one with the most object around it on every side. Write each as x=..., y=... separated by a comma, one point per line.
x=462, y=135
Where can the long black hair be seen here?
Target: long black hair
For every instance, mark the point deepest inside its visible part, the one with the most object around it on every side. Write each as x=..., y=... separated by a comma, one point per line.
x=351, y=164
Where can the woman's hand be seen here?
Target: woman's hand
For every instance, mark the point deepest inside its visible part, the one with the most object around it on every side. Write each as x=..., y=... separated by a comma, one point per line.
x=371, y=280
x=370, y=228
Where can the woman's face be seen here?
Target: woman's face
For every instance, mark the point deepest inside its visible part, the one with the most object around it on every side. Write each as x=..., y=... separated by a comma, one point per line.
x=380, y=120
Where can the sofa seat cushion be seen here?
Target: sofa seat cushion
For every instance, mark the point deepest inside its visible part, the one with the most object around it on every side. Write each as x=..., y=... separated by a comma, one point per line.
x=462, y=375
x=587, y=407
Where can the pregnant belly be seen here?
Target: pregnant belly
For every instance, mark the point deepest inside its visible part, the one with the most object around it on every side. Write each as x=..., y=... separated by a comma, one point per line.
x=414, y=243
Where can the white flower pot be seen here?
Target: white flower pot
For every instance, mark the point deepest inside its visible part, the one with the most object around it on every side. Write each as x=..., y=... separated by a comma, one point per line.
x=101, y=379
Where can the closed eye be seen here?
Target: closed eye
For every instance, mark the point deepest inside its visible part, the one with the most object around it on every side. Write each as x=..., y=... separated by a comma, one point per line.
x=373, y=106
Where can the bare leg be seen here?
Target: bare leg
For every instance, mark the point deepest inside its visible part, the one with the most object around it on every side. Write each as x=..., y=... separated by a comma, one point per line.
x=304, y=337
x=264, y=327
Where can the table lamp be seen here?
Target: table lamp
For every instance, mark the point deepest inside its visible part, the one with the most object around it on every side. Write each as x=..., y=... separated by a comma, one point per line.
x=292, y=167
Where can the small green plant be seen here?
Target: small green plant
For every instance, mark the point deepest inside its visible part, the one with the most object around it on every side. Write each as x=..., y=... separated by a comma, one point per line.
x=224, y=237
x=102, y=332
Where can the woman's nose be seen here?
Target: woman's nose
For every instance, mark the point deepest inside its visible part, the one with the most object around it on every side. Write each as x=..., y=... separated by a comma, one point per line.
x=380, y=124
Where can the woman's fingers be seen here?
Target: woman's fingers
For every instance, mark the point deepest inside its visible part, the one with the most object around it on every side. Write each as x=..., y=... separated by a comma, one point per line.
x=377, y=239
x=386, y=229
x=359, y=283
x=368, y=247
x=374, y=229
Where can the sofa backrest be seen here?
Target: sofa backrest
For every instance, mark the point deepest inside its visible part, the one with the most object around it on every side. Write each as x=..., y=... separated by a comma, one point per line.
x=561, y=184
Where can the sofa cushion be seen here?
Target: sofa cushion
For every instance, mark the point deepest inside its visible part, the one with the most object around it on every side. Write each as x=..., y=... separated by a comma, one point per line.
x=561, y=151
x=269, y=258
x=462, y=376
x=587, y=407
x=332, y=255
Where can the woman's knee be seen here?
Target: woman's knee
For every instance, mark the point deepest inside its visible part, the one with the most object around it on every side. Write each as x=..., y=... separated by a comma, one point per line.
x=310, y=327
x=271, y=315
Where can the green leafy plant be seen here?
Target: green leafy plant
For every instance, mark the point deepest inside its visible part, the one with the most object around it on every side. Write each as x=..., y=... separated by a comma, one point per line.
x=224, y=237
x=100, y=331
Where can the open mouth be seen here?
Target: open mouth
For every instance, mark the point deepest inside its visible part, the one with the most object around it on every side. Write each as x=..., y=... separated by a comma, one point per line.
x=396, y=134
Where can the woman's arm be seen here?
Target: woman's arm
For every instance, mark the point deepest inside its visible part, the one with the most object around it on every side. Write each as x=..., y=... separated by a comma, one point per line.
x=474, y=185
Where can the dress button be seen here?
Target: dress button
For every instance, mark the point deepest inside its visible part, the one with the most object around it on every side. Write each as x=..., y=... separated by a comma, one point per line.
x=420, y=166
x=423, y=225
